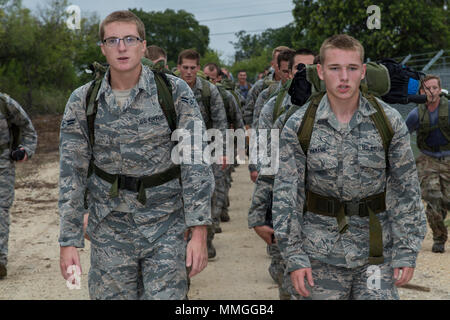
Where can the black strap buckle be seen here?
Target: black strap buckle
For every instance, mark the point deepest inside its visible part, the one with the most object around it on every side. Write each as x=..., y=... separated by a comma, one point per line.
x=352, y=207
x=331, y=207
x=363, y=208
x=129, y=183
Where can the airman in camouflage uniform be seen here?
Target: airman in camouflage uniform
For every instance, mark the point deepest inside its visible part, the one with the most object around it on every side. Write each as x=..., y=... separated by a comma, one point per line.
x=346, y=160
x=11, y=113
x=234, y=121
x=260, y=85
x=138, y=250
x=433, y=164
x=262, y=194
x=268, y=89
x=215, y=117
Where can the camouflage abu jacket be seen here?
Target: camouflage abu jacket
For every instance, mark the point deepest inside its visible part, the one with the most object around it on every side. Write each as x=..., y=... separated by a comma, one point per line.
x=19, y=117
x=135, y=141
x=347, y=163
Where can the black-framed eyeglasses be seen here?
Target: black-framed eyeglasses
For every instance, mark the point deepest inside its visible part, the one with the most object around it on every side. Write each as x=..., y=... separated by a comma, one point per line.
x=129, y=41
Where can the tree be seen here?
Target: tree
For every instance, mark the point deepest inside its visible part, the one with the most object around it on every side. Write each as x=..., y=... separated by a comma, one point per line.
x=407, y=26
x=174, y=32
x=254, y=64
x=41, y=59
x=248, y=46
x=211, y=56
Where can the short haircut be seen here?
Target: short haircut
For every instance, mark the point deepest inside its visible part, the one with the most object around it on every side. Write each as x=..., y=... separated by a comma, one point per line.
x=189, y=54
x=242, y=70
x=155, y=52
x=299, y=52
x=279, y=49
x=429, y=77
x=222, y=74
x=122, y=16
x=213, y=66
x=285, y=55
x=343, y=42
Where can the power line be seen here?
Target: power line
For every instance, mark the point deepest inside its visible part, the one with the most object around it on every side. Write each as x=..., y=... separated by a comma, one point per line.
x=246, y=16
x=235, y=6
x=224, y=33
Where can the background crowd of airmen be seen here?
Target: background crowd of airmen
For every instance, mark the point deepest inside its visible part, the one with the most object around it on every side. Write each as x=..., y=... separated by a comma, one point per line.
x=141, y=251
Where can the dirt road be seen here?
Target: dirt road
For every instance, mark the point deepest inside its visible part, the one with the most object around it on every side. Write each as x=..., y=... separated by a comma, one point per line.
x=239, y=271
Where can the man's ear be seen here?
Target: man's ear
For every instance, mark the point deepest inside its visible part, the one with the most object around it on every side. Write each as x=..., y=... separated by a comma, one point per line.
x=422, y=88
x=320, y=71
x=364, y=71
x=102, y=47
x=144, y=47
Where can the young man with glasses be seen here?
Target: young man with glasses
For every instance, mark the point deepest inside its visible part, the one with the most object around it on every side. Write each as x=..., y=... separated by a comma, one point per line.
x=138, y=249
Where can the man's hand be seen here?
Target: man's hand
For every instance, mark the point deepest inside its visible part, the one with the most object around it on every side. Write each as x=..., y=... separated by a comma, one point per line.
x=25, y=158
x=265, y=232
x=298, y=280
x=406, y=275
x=253, y=175
x=68, y=256
x=25, y=155
x=197, y=251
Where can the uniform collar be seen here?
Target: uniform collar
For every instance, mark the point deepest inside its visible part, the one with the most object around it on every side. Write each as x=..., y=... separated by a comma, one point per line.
x=324, y=112
x=145, y=80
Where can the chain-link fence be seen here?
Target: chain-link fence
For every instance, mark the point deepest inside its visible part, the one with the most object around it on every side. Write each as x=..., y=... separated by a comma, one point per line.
x=436, y=63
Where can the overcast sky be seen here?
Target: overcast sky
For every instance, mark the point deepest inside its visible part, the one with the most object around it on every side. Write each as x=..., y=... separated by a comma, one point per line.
x=271, y=14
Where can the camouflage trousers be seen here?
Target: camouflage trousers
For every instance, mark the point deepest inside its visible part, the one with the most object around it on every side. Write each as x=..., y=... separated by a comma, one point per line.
x=7, y=178
x=220, y=189
x=277, y=271
x=227, y=182
x=361, y=283
x=218, y=201
x=434, y=176
x=126, y=266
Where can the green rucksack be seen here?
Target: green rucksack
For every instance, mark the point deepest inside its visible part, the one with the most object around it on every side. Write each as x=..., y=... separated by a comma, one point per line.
x=267, y=83
x=377, y=79
x=228, y=104
x=229, y=85
x=15, y=132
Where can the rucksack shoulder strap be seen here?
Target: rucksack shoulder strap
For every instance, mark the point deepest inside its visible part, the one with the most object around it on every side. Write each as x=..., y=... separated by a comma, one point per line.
x=306, y=127
x=206, y=93
x=3, y=107
x=91, y=108
x=278, y=109
x=382, y=124
x=165, y=98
